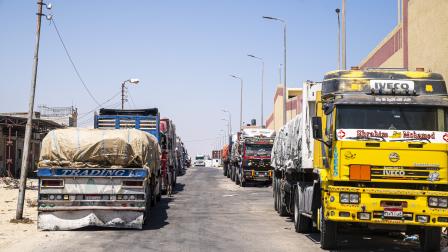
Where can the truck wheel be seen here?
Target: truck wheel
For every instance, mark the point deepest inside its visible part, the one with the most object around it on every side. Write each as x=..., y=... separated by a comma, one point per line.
x=237, y=177
x=274, y=192
x=282, y=211
x=147, y=212
x=302, y=224
x=328, y=235
x=159, y=196
x=430, y=239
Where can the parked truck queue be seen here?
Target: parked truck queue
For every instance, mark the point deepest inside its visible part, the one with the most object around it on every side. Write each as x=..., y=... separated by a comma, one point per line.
x=109, y=176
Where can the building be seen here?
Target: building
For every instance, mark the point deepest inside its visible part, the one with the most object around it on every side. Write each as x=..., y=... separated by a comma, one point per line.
x=293, y=107
x=12, y=132
x=418, y=40
x=65, y=116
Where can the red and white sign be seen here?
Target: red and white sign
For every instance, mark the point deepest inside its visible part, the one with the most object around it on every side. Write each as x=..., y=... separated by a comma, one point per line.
x=392, y=135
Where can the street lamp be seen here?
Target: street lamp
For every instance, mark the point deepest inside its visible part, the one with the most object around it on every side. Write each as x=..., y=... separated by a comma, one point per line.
x=339, y=39
x=241, y=99
x=262, y=80
x=230, y=120
x=284, y=63
x=123, y=88
x=344, y=52
x=228, y=125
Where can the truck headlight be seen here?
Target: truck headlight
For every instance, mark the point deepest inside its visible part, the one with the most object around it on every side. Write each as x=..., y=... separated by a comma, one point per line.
x=349, y=198
x=344, y=197
x=354, y=198
x=441, y=202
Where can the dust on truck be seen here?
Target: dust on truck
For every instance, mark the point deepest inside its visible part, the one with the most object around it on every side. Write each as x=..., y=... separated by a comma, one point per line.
x=97, y=177
x=370, y=148
x=255, y=146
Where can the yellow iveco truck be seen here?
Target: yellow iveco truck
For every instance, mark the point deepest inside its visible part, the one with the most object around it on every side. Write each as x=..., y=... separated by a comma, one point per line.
x=370, y=148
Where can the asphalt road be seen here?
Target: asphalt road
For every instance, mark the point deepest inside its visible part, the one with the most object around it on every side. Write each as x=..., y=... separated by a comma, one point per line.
x=210, y=213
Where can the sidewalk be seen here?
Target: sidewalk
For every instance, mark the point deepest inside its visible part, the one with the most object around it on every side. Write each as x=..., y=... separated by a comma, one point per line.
x=14, y=232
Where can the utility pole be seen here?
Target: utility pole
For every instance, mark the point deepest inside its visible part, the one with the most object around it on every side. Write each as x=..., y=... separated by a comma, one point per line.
x=284, y=63
x=344, y=39
x=29, y=122
x=123, y=90
x=284, y=73
x=241, y=99
x=339, y=39
x=262, y=84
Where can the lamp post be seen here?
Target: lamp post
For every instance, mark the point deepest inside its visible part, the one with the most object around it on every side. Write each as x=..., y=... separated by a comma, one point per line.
x=29, y=121
x=344, y=52
x=262, y=84
x=241, y=99
x=230, y=120
x=284, y=63
x=123, y=88
x=339, y=38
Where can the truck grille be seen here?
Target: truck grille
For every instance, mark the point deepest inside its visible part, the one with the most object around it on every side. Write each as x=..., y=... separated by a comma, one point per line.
x=110, y=123
x=405, y=173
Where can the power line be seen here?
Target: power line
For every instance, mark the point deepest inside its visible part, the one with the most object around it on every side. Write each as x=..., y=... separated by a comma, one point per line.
x=132, y=99
x=73, y=64
x=94, y=109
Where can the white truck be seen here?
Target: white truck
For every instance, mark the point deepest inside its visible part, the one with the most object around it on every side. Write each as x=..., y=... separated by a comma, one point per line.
x=97, y=177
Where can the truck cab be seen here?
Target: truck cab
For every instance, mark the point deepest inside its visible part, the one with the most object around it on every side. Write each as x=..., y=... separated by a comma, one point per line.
x=255, y=147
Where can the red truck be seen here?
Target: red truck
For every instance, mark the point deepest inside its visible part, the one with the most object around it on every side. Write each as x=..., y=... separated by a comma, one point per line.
x=168, y=160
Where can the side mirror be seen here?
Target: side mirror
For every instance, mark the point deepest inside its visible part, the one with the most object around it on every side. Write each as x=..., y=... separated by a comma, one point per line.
x=317, y=127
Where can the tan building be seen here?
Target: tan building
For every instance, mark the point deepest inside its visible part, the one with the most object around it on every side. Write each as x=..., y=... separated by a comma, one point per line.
x=293, y=107
x=419, y=39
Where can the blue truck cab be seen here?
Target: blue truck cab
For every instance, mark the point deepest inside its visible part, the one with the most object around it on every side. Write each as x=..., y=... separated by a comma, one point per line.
x=147, y=120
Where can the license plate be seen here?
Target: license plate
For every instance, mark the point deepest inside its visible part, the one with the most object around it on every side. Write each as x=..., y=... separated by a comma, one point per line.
x=393, y=212
x=92, y=197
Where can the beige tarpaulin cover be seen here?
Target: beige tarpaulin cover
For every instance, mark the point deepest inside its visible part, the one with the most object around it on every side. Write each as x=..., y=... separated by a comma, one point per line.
x=77, y=147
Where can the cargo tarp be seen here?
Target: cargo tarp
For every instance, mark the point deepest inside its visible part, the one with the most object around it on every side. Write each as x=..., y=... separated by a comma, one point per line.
x=106, y=148
x=286, y=152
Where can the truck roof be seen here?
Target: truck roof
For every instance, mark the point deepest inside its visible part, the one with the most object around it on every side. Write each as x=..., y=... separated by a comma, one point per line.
x=134, y=112
x=257, y=132
x=363, y=81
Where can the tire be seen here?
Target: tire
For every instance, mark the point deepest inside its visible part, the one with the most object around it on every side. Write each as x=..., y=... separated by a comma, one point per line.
x=274, y=190
x=237, y=177
x=430, y=239
x=159, y=196
x=328, y=232
x=147, y=212
x=302, y=224
x=282, y=211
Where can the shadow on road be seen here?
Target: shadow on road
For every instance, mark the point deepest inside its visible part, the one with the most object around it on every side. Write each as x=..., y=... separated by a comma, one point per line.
x=179, y=187
x=158, y=217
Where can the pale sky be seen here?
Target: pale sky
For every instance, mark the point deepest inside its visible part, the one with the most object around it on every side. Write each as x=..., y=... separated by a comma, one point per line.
x=182, y=51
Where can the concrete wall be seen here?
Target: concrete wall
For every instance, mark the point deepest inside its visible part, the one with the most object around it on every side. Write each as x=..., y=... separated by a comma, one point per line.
x=293, y=107
x=428, y=35
x=419, y=41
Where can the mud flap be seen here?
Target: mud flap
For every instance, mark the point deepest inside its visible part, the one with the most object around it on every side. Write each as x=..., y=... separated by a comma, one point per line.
x=67, y=220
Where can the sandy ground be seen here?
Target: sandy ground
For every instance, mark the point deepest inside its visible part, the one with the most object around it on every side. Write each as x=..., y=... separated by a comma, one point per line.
x=25, y=234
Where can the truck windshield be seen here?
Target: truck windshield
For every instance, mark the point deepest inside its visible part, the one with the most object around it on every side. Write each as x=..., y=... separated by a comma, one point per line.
x=199, y=158
x=258, y=150
x=387, y=118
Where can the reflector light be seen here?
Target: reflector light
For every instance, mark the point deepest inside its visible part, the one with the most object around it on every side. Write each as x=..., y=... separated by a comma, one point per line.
x=133, y=183
x=359, y=172
x=52, y=183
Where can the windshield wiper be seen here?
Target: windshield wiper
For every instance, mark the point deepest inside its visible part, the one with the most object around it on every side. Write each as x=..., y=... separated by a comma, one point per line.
x=367, y=138
x=412, y=139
